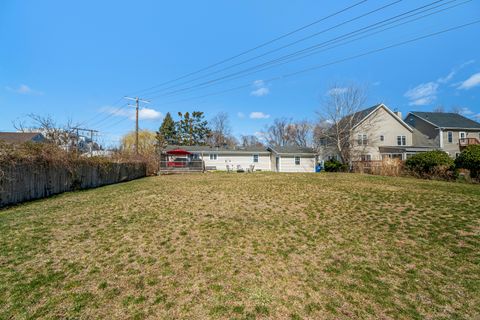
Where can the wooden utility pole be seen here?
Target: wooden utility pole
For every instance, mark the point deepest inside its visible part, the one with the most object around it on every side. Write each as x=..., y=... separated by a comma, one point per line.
x=137, y=107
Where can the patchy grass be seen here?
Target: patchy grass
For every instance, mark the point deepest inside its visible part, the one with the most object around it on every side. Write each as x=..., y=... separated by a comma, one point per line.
x=238, y=246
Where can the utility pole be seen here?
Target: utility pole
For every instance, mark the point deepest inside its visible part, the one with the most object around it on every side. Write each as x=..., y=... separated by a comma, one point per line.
x=137, y=106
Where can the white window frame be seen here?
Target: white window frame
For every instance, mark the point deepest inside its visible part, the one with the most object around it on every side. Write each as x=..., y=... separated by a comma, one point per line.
x=462, y=133
x=362, y=139
x=366, y=157
x=450, y=136
x=257, y=158
x=213, y=156
x=382, y=137
x=295, y=160
x=402, y=140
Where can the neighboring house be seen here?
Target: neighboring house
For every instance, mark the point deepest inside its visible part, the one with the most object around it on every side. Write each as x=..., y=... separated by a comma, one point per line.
x=292, y=159
x=376, y=133
x=21, y=137
x=449, y=132
x=283, y=159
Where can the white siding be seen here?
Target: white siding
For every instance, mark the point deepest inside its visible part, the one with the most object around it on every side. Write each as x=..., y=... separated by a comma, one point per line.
x=244, y=160
x=287, y=163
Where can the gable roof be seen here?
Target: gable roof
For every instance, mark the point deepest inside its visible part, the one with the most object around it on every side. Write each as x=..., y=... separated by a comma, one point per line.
x=447, y=120
x=362, y=115
x=20, y=137
x=291, y=150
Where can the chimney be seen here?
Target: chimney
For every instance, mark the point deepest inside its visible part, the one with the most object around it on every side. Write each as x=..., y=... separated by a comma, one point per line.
x=398, y=113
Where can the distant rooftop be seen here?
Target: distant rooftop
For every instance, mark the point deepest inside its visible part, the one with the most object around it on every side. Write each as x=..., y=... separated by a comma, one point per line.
x=291, y=149
x=447, y=120
x=20, y=137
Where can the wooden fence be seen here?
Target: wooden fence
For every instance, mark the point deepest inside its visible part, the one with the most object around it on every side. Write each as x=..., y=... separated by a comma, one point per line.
x=386, y=167
x=26, y=181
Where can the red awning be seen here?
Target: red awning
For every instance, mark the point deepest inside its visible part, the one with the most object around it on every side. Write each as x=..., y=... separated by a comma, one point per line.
x=178, y=152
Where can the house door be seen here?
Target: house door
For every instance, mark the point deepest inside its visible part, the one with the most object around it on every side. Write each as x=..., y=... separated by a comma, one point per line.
x=277, y=163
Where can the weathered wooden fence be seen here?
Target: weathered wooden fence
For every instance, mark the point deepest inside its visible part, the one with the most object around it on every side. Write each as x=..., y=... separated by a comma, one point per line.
x=22, y=182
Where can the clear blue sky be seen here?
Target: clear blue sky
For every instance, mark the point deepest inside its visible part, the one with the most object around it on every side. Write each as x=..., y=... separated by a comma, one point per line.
x=74, y=60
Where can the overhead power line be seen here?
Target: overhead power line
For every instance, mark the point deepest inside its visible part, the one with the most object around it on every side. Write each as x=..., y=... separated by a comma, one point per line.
x=256, y=47
x=259, y=67
x=338, y=25
x=357, y=56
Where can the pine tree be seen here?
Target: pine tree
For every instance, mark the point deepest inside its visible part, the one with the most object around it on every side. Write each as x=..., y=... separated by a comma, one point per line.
x=192, y=128
x=167, y=130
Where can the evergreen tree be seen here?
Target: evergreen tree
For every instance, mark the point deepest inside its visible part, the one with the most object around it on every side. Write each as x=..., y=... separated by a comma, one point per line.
x=168, y=130
x=192, y=129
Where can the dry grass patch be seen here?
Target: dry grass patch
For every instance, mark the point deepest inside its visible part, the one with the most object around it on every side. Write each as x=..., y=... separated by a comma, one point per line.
x=237, y=246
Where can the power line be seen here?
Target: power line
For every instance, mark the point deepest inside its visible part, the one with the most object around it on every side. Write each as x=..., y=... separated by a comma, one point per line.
x=285, y=46
x=357, y=56
x=257, y=47
x=347, y=35
x=343, y=59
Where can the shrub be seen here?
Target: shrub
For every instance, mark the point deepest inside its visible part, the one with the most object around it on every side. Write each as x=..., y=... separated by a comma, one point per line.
x=432, y=164
x=334, y=166
x=470, y=159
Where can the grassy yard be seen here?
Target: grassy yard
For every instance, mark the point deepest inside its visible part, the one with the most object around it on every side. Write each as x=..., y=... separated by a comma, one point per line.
x=238, y=246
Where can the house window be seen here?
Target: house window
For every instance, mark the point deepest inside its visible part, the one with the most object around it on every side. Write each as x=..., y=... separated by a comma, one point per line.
x=462, y=135
x=450, y=136
x=382, y=138
x=255, y=158
x=401, y=140
x=362, y=140
x=322, y=141
x=366, y=157
x=213, y=156
x=297, y=160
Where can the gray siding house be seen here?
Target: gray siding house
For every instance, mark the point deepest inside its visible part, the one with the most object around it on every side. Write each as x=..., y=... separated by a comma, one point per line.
x=449, y=132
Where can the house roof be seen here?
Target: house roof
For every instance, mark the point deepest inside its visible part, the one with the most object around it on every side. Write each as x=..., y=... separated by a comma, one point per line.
x=421, y=139
x=222, y=149
x=360, y=116
x=20, y=137
x=447, y=120
x=291, y=150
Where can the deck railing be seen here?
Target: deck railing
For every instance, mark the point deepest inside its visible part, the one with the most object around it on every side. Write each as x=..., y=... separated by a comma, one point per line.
x=182, y=166
x=463, y=142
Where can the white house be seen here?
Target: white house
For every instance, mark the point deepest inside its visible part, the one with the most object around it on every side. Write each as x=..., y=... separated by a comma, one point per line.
x=281, y=159
x=292, y=159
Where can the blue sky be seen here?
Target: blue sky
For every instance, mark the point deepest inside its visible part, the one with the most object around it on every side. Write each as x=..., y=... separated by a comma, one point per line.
x=75, y=60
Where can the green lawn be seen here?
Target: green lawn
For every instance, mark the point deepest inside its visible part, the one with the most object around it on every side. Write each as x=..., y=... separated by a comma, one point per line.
x=246, y=246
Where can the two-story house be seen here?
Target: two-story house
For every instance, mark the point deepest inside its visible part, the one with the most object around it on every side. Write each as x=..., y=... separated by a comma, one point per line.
x=376, y=133
x=449, y=132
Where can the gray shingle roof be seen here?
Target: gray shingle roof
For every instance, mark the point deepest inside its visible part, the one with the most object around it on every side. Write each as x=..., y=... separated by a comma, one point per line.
x=447, y=120
x=292, y=150
x=360, y=115
x=20, y=137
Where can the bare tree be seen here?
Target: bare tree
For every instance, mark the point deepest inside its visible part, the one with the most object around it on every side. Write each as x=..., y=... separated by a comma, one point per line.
x=456, y=109
x=251, y=141
x=285, y=132
x=339, y=114
x=277, y=133
x=439, y=108
x=220, y=131
x=299, y=133
x=61, y=135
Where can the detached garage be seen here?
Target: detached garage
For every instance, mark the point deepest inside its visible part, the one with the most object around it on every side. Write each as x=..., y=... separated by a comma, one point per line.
x=292, y=159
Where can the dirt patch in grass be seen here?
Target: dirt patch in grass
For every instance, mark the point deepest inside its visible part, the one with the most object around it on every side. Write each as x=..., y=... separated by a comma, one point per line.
x=238, y=246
